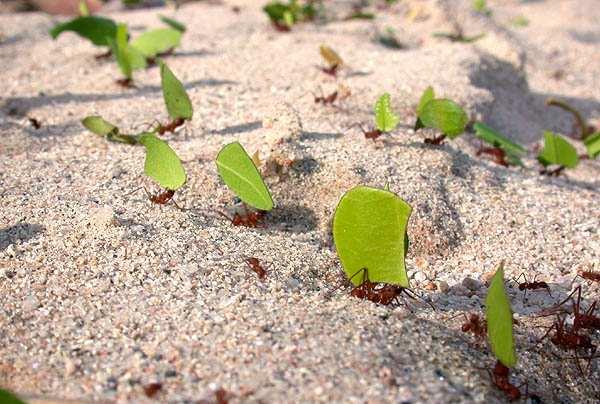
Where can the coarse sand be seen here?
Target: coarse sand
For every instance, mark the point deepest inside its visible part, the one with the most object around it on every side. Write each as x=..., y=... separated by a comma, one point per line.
x=104, y=293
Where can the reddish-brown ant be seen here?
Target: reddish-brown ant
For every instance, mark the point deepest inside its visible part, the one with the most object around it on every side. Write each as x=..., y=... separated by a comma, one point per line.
x=248, y=219
x=255, y=265
x=171, y=126
x=500, y=376
x=330, y=99
x=369, y=134
x=437, y=140
x=475, y=325
x=221, y=396
x=585, y=320
x=35, y=123
x=162, y=198
x=531, y=285
x=332, y=70
x=152, y=389
x=589, y=275
x=498, y=155
x=552, y=173
x=126, y=82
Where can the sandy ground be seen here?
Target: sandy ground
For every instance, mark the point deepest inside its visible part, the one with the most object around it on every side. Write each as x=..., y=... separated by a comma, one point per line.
x=103, y=293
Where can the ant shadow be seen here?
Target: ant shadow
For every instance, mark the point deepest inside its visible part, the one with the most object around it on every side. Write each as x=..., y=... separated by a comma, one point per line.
x=306, y=136
x=240, y=128
x=19, y=232
x=22, y=105
x=513, y=97
x=292, y=219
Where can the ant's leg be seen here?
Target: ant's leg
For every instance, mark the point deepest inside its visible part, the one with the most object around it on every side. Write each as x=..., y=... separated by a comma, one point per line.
x=577, y=289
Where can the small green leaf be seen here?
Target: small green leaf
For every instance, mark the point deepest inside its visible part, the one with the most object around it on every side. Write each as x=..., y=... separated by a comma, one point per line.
x=84, y=10
x=241, y=175
x=176, y=99
x=173, y=23
x=162, y=163
x=513, y=150
x=6, y=397
x=151, y=43
x=558, y=150
x=592, y=144
x=427, y=96
x=446, y=116
x=97, y=125
x=369, y=231
x=330, y=56
x=96, y=29
x=500, y=321
x=128, y=58
x=385, y=119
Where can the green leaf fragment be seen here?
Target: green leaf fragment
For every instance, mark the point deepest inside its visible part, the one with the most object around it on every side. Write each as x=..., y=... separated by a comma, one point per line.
x=6, y=397
x=427, y=96
x=592, y=144
x=500, y=321
x=84, y=10
x=99, y=126
x=330, y=56
x=446, y=116
x=173, y=23
x=96, y=29
x=162, y=163
x=129, y=59
x=176, y=99
x=369, y=231
x=558, y=150
x=152, y=43
x=513, y=150
x=385, y=119
x=241, y=175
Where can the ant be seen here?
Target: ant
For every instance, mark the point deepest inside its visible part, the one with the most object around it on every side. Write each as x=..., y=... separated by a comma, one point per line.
x=500, y=379
x=152, y=60
x=475, y=325
x=498, y=155
x=330, y=99
x=585, y=320
x=126, y=82
x=552, y=173
x=162, y=198
x=531, y=285
x=104, y=55
x=248, y=219
x=370, y=134
x=255, y=265
x=35, y=123
x=436, y=141
x=331, y=70
x=171, y=126
x=589, y=275
x=152, y=389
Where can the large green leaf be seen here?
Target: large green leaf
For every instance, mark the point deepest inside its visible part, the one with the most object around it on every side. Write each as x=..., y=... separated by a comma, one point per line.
x=445, y=115
x=241, y=175
x=162, y=163
x=176, y=99
x=173, y=23
x=513, y=150
x=151, y=43
x=385, y=119
x=558, y=150
x=6, y=397
x=96, y=29
x=369, y=231
x=500, y=321
x=99, y=126
x=592, y=144
x=128, y=58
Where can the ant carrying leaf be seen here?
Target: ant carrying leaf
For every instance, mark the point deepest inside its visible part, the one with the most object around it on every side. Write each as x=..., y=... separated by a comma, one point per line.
x=503, y=151
x=385, y=118
x=156, y=42
x=557, y=151
x=442, y=114
x=176, y=99
x=129, y=58
x=101, y=127
x=284, y=16
x=333, y=60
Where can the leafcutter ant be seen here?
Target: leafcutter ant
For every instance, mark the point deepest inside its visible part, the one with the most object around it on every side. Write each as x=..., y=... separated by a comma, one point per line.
x=370, y=134
x=35, y=123
x=248, y=219
x=330, y=99
x=104, y=55
x=585, y=320
x=475, y=325
x=436, y=140
x=171, y=126
x=221, y=396
x=152, y=60
x=552, y=173
x=331, y=70
x=498, y=155
x=589, y=275
x=152, y=389
x=256, y=266
x=500, y=376
x=126, y=82
x=531, y=285
x=162, y=198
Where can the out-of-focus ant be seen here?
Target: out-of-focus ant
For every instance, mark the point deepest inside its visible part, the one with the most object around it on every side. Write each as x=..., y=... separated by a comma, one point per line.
x=370, y=134
x=475, y=325
x=552, y=173
x=152, y=389
x=531, y=285
x=330, y=99
x=498, y=155
x=35, y=123
x=331, y=70
x=126, y=82
x=587, y=319
x=248, y=219
x=500, y=376
x=436, y=141
x=589, y=275
x=151, y=61
x=256, y=266
x=104, y=55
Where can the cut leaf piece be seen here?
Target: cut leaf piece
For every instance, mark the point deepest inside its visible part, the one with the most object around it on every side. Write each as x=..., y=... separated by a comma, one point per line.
x=128, y=58
x=446, y=116
x=151, y=43
x=6, y=397
x=241, y=175
x=513, y=150
x=385, y=119
x=176, y=99
x=330, y=56
x=162, y=163
x=592, y=144
x=173, y=23
x=369, y=231
x=558, y=150
x=427, y=96
x=84, y=10
x=96, y=29
x=97, y=125
x=500, y=321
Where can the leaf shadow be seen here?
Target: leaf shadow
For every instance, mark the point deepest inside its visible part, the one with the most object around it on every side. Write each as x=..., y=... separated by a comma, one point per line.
x=19, y=232
x=304, y=136
x=291, y=218
x=239, y=128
